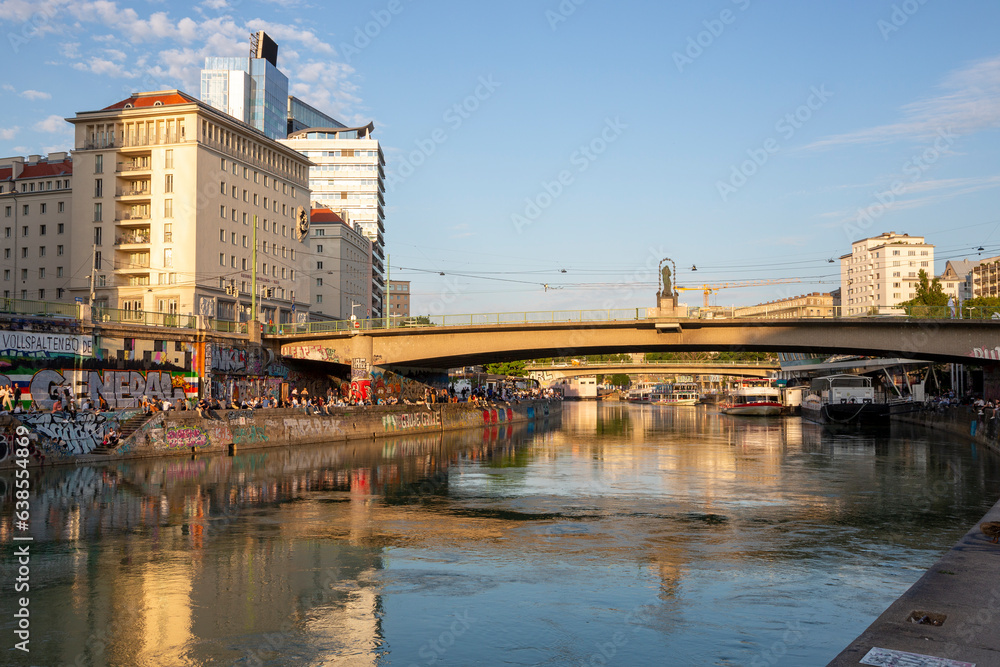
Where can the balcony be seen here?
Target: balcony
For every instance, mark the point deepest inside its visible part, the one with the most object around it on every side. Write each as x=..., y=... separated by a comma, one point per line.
x=129, y=192
x=137, y=166
x=137, y=237
x=129, y=218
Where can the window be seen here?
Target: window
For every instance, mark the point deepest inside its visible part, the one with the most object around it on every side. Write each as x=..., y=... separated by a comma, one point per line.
x=41, y=228
x=24, y=274
x=223, y=164
x=234, y=215
x=222, y=186
x=41, y=252
x=222, y=235
x=98, y=164
x=233, y=238
x=319, y=265
x=41, y=272
x=319, y=298
x=98, y=187
x=6, y=211
x=24, y=253
x=264, y=268
x=6, y=274
x=98, y=236
x=319, y=282
x=232, y=261
x=61, y=207
x=319, y=248
x=168, y=232
x=168, y=208
x=41, y=294
x=97, y=212
x=24, y=231
x=244, y=265
x=59, y=250
x=24, y=210
x=60, y=228
x=59, y=272
x=168, y=159
x=222, y=211
x=59, y=292
x=168, y=258
x=222, y=255
x=6, y=253
x=236, y=192
x=41, y=209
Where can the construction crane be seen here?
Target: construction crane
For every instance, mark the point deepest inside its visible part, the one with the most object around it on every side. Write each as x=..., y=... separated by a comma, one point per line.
x=711, y=289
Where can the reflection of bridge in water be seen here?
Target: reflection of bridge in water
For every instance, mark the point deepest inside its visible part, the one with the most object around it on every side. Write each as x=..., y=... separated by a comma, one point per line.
x=735, y=368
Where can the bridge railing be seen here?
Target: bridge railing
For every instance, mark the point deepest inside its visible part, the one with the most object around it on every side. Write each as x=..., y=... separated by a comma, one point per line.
x=145, y=318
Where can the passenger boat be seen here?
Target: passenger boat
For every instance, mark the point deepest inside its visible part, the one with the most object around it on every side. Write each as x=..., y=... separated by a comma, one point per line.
x=640, y=393
x=757, y=398
x=843, y=399
x=679, y=393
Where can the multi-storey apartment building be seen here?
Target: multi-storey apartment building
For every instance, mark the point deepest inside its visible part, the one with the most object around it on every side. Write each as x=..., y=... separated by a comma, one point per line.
x=398, y=298
x=182, y=208
x=986, y=277
x=807, y=305
x=340, y=267
x=882, y=271
x=35, y=210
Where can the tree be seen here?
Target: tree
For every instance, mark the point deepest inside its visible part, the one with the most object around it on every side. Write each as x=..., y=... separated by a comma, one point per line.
x=619, y=380
x=930, y=300
x=509, y=368
x=982, y=307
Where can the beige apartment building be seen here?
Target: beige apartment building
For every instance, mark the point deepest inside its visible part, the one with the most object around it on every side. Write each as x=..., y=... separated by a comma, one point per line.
x=173, y=198
x=35, y=208
x=806, y=305
x=986, y=277
x=881, y=272
x=341, y=263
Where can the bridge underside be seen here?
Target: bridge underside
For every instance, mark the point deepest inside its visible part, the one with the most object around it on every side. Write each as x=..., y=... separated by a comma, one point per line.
x=961, y=341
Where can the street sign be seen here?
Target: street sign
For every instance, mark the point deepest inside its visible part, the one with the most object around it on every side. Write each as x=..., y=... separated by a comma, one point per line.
x=79, y=299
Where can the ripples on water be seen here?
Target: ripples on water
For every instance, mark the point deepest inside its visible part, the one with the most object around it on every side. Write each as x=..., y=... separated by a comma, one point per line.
x=622, y=535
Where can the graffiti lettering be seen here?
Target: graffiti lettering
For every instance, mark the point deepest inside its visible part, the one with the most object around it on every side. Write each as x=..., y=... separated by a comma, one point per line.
x=311, y=352
x=246, y=435
x=184, y=437
x=406, y=421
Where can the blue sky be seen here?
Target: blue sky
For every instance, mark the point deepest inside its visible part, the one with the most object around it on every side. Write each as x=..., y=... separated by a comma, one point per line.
x=523, y=139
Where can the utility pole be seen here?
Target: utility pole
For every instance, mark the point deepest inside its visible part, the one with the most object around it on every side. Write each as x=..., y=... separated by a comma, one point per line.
x=93, y=269
x=253, y=278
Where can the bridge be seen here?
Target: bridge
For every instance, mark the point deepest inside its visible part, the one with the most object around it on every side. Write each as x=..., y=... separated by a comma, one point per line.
x=507, y=337
x=732, y=368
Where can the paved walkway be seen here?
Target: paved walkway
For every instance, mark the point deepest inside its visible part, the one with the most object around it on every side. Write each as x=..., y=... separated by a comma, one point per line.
x=964, y=587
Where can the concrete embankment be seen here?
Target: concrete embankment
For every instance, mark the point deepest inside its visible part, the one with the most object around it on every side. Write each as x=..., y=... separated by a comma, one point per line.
x=222, y=431
x=965, y=421
x=953, y=610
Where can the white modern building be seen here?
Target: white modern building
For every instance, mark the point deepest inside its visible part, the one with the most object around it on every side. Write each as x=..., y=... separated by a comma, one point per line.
x=251, y=89
x=181, y=208
x=882, y=271
x=35, y=209
x=348, y=177
x=340, y=268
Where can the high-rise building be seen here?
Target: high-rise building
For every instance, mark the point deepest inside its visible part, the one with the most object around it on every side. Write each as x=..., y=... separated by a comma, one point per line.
x=398, y=298
x=347, y=176
x=986, y=277
x=185, y=209
x=35, y=207
x=340, y=267
x=251, y=89
x=882, y=271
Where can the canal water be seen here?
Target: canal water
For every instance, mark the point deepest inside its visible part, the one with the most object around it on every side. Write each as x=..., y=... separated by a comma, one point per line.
x=614, y=535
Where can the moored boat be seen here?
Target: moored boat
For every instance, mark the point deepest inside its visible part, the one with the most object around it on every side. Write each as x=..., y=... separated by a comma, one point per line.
x=640, y=393
x=843, y=399
x=756, y=398
x=679, y=393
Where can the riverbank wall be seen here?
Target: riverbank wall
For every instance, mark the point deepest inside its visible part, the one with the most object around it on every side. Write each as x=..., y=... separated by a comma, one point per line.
x=979, y=426
x=226, y=431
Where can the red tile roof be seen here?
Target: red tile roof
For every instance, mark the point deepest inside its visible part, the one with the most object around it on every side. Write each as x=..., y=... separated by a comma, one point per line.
x=5, y=173
x=324, y=215
x=165, y=98
x=43, y=169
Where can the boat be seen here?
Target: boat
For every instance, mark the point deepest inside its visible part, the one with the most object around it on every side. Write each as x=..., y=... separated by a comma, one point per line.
x=678, y=393
x=755, y=397
x=843, y=399
x=640, y=393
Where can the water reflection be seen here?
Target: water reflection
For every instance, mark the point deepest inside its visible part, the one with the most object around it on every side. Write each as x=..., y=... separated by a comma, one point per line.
x=694, y=534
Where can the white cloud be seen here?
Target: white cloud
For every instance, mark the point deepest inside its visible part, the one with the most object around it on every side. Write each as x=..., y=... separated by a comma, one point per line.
x=36, y=95
x=969, y=102
x=53, y=123
x=8, y=133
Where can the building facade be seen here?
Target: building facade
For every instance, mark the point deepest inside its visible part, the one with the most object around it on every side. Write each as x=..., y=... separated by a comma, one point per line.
x=348, y=177
x=35, y=207
x=882, y=271
x=807, y=305
x=398, y=298
x=341, y=267
x=986, y=278
x=181, y=208
x=251, y=89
